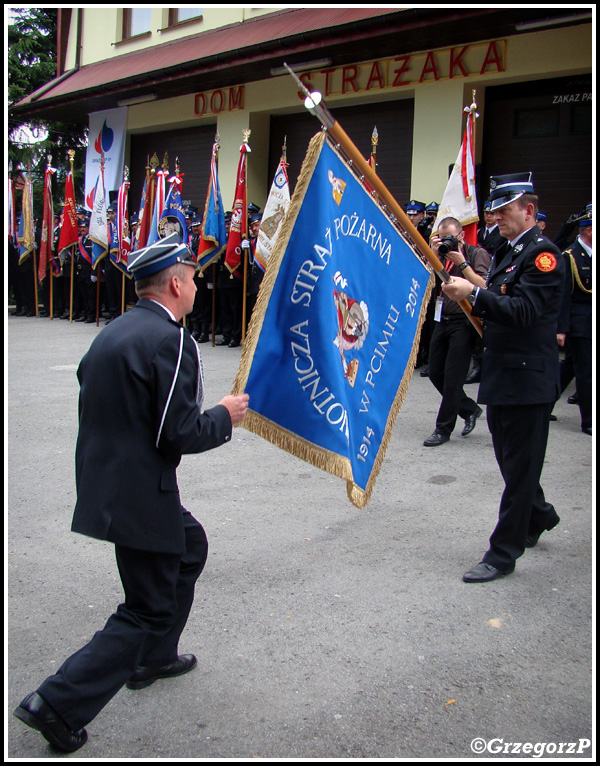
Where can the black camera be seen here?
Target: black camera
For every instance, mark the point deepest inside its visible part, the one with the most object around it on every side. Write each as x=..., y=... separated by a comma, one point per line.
x=448, y=244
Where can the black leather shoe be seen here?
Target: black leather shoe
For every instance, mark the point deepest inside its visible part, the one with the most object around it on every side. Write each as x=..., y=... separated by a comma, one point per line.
x=532, y=538
x=475, y=375
x=587, y=430
x=202, y=338
x=573, y=399
x=37, y=713
x=234, y=343
x=485, y=573
x=471, y=421
x=145, y=676
x=223, y=342
x=436, y=439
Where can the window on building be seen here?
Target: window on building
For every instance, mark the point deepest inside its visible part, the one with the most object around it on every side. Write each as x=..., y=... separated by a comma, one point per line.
x=136, y=21
x=178, y=15
x=536, y=123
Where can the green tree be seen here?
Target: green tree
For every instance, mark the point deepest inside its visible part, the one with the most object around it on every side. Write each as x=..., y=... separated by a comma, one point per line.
x=32, y=55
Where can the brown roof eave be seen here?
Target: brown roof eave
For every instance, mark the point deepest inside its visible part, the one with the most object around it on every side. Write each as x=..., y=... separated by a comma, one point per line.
x=394, y=33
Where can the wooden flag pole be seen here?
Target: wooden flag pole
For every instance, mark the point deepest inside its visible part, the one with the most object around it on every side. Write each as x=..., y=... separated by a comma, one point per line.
x=50, y=279
x=34, y=252
x=216, y=148
x=108, y=253
x=244, y=233
x=71, y=154
x=313, y=102
x=374, y=142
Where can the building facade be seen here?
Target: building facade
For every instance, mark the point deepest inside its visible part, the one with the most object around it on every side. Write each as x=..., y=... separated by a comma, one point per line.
x=185, y=74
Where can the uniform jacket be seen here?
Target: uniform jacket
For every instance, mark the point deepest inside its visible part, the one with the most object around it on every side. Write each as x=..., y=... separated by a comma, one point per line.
x=492, y=241
x=576, y=311
x=140, y=383
x=519, y=311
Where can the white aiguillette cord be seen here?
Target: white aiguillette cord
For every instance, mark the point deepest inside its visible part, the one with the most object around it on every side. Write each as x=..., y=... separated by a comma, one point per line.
x=199, y=388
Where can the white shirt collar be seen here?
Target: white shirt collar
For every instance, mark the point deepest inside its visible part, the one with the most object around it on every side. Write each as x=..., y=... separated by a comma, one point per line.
x=169, y=312
x=587, y=248
x=514, y=241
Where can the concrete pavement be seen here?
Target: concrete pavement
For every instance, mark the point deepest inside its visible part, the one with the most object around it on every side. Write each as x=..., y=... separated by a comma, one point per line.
x=322, y=631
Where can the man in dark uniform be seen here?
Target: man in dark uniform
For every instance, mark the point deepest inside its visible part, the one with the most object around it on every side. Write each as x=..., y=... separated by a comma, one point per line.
x=256, y=273
x=127, y=493
x=201, y=314
x=86, y=276
x=519, y=367
x=489, y=236
x=575, y=324
x=113, y=276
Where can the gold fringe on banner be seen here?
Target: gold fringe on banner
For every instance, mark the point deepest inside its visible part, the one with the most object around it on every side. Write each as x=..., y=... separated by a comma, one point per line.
x=267, y=429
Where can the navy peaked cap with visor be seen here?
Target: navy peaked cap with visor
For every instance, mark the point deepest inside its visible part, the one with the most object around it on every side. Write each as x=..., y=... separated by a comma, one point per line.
x=159, y=256
x=506, y=189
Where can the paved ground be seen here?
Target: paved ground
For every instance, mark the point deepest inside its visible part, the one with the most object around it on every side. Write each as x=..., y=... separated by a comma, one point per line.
x=322, y=631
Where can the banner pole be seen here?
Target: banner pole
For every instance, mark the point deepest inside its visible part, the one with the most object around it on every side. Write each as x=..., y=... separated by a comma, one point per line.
x=313, y=102
x=244, y=233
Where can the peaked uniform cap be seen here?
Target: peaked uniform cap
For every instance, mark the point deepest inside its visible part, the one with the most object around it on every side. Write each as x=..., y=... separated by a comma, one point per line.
x=414, y=206
x=508, y=188
x=159, y=256
x=585, y=219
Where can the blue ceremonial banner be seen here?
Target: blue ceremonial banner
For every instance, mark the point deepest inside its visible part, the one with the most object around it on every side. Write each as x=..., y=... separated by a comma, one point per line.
x=333, y=339
x=173, y=216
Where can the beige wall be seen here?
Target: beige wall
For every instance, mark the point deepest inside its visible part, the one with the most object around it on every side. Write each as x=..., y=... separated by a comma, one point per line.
x=97, y=47
x=438, y=120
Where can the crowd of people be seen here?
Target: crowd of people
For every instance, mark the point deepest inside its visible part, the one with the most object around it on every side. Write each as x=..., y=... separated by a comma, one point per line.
x=80, y=293
x=532, y=297
x=450, y=349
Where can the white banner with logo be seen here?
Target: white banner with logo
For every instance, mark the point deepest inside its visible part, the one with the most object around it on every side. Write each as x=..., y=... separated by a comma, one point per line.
x=108, y=130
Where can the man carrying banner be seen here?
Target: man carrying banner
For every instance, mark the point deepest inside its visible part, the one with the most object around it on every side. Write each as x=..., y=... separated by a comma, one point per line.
x=128, y=450
x=520, y=378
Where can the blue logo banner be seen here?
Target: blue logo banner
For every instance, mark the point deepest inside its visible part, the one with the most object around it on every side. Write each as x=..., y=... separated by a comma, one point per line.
x=332, y=346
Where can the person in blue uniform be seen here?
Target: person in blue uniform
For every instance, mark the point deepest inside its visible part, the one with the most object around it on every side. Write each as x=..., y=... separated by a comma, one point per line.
x=519, y=367
x=128, y=450
x=575, y=324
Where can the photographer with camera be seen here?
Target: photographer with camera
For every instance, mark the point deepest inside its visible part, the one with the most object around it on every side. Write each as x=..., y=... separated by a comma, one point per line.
x=454, y=338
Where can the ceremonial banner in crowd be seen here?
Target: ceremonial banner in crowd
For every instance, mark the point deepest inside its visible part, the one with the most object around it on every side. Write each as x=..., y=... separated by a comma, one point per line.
x=99, y=233
x=273, y=215
x=159, y=206
x=213, y=234
x=333, y=338
x=121, y=256
x=26, y=237
x=46, y=253
x=69, y=231
x=460, y=197
x=145, y=214
x=108, y=130
x=172, y=219
x=238, y=229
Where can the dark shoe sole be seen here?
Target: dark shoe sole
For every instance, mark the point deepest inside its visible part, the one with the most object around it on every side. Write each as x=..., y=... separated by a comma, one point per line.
x=35, y=723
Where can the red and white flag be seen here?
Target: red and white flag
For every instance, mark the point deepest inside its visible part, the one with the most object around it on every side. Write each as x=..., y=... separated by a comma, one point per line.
x=239, y=217
x=69, y=230
x=460, y=198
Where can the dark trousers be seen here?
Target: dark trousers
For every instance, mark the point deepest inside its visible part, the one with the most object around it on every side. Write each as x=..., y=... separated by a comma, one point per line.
x=519, y=435
x=578, y=364
x=450, y=352
x=144, y=630
x=231, y=303
x=113, y=280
